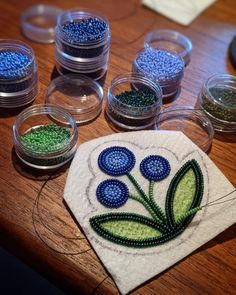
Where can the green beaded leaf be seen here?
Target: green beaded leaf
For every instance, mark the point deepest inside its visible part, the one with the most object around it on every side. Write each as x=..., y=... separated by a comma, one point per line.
x=184, y=194
x=129, y=229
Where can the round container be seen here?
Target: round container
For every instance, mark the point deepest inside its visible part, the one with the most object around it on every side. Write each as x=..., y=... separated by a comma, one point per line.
x=218, y=99
x=128, y=117
x=18, y=74
x=94, y=68
x=192, y=122
x=170, y=40
x=77, y=45
x=82, y=44
x=160, y=65
x=41, y=156
x=38, y=22
x=79, y=95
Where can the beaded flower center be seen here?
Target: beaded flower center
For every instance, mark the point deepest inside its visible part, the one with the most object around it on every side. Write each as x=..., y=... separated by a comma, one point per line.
x=155, y=168
x=112, y=193
x=116, y=161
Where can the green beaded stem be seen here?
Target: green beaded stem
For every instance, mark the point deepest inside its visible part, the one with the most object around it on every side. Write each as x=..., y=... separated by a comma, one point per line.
x=155, y=209
x=199, y=187
x=155, y=205
x=150, y=210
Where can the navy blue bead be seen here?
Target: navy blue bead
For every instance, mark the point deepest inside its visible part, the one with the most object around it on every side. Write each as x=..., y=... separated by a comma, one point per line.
x=155, y=167
x=116, y=161
x=160, y=63
x=112, y=193
x=86, y=30
x=13, y=64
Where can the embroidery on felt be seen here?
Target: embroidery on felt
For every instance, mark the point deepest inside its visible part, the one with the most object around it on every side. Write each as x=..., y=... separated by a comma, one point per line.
x=183, y=199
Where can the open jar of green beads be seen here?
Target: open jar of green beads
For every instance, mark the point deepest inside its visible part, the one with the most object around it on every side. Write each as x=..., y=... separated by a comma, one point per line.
x=45, y=136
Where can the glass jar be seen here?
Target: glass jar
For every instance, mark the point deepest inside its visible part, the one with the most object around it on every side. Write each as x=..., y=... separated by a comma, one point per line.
x=170, y=40
x=18, y=74
x=218, y=99
x=45, y=136
x=153, y=63
x=129, y=117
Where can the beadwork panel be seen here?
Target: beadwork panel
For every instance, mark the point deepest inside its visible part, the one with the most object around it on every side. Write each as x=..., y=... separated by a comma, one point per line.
x=140, y=198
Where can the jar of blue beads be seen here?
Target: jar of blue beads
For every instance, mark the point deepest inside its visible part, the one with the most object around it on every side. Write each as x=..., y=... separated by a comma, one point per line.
x=82, y=44
x=18, y=74
x=164, y=66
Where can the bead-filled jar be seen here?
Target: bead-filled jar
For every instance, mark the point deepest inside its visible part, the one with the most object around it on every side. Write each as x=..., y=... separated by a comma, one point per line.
x=165, y=67
x=45, y=136
x=82, y=44
x=18, y=74
x=170, y=40
x=133, y=101
x=218, y=99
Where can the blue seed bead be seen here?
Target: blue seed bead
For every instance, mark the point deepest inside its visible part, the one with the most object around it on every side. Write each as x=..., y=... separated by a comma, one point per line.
x=86, y=30
x=155, y=167
x=116, y=161
x=160, y=63
x=112, y=193
x=13, y=64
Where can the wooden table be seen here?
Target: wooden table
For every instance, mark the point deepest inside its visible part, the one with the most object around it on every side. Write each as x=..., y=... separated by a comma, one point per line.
x=33, y=232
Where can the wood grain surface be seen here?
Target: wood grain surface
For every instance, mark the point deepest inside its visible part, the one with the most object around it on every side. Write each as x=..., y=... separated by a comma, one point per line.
x=41, y=230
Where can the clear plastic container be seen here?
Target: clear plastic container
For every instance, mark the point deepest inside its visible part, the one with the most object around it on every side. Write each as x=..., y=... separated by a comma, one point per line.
x=74, y=54
x=218, y=99
x=39, y=116
x=170, y=40
x=94, y=68
x=192, y=122
x=18, y=74
x=81, y=48
x=170, y=84
x=123, y=116
x=38, y=22
x=77, y=94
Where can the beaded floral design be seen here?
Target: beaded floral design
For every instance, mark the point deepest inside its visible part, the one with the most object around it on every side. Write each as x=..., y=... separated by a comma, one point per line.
x=183, y=199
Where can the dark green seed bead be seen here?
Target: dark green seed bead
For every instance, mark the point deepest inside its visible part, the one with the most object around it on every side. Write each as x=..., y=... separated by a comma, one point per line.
x=137, y=98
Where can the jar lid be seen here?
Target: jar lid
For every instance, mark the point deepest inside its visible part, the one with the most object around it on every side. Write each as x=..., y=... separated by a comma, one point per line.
x=169, y=40
x=192, y=122
x=38, y=22
x=78, y=94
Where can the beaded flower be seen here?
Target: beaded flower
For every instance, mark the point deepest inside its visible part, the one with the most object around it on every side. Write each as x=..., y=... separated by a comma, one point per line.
x=161, y=223
x=155, y=167
x=116, y=161
x=112, y=193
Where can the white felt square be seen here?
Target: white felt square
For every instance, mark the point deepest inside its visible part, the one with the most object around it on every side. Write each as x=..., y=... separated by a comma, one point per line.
x=131, y=267
x=181, y=11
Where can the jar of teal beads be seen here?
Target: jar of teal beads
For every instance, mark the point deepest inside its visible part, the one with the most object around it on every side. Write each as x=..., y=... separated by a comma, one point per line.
x=45, y=136
x=133, y=102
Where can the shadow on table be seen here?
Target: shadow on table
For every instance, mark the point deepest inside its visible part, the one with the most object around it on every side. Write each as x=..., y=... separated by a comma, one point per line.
x=36, y=174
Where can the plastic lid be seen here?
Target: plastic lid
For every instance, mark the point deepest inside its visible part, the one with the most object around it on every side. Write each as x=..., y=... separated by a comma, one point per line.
x=78, y=94
x=192, y=122
x=38, y=22
x=170, y=40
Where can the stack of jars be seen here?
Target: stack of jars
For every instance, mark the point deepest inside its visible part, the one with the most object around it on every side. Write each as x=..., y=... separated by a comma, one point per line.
x=82, y=44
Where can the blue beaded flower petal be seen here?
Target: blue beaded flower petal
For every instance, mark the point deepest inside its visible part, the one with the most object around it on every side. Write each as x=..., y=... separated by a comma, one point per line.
x=116, y=161
x=155, y=167
x=112, y=193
